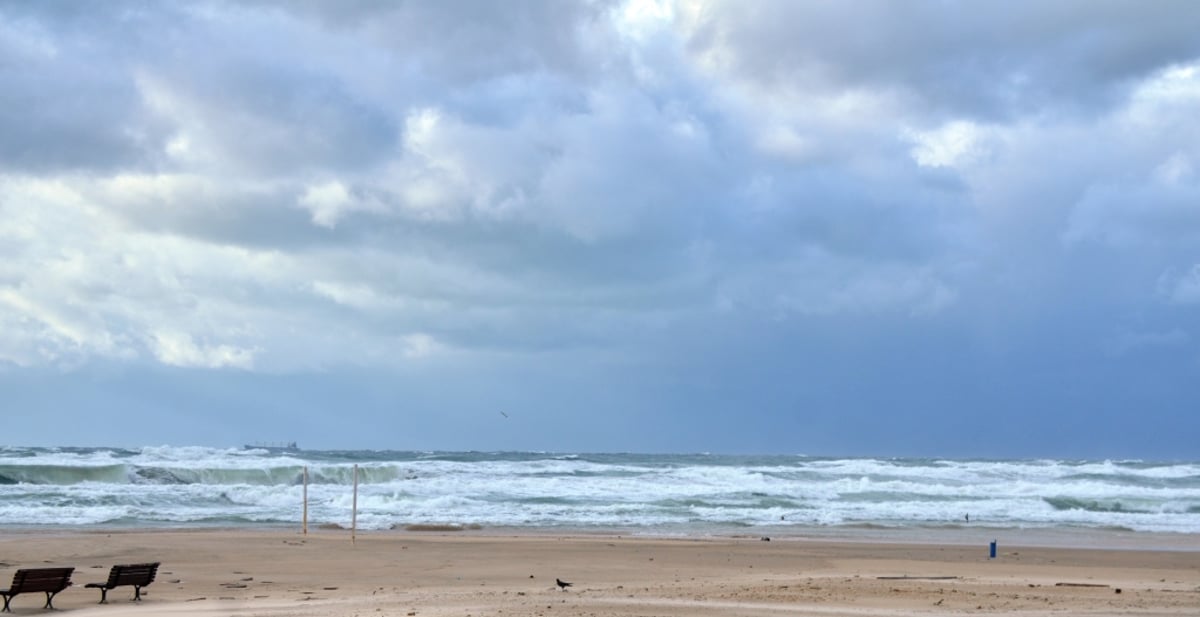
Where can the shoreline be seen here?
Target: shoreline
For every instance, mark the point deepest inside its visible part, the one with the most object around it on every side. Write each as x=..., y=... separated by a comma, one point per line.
x=283, y=573
x=953, y=535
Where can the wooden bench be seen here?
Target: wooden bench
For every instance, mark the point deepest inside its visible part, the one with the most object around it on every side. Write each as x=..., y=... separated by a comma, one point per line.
x=49, y=580
x=136, y=574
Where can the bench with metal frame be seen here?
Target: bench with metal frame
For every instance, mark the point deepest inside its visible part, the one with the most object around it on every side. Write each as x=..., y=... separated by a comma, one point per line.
x=137, y=575
x=49, y=580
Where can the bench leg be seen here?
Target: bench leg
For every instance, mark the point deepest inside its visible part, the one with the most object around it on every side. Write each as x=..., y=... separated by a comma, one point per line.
x=137, y=593
x=6, y=601
x=50, y=598
x=104, y=595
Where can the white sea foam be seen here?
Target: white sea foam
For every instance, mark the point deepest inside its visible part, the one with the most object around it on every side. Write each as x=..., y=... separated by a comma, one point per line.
x=165, y=485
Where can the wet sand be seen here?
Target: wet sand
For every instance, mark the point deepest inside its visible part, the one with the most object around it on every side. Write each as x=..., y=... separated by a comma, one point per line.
x=282, y=573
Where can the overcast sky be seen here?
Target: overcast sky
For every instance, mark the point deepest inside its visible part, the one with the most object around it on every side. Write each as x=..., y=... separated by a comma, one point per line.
x=852, y=228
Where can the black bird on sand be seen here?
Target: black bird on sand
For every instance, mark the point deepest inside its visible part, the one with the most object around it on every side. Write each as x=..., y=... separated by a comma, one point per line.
x=561, y=584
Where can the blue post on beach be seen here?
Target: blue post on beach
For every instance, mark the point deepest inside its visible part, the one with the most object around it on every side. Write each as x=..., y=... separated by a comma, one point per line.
x=992, y=550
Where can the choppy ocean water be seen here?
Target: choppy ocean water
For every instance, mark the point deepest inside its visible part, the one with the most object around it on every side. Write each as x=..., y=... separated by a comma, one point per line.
x=201, y=487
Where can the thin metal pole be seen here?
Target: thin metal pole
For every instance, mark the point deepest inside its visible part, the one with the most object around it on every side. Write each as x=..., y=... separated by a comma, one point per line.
x=354, y=508
x=305, y=500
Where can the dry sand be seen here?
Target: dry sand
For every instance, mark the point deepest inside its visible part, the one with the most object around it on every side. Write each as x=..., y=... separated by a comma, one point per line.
x=478, y=573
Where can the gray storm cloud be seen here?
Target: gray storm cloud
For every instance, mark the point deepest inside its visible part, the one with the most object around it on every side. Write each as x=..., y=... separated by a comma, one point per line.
x=283, y=188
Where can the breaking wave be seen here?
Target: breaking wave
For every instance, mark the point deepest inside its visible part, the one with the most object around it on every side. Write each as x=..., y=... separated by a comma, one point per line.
x=205, y=486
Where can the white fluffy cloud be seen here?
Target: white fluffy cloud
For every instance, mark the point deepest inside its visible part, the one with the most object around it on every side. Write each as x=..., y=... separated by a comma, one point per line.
x=178, y=349
x=955, y=144
x=283, y=186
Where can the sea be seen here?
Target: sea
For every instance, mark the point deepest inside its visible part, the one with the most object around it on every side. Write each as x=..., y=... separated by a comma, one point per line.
x=654, y=494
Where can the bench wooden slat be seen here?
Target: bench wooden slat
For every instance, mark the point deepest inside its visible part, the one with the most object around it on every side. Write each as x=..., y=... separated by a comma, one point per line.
x=48, y=580
x=137, y=575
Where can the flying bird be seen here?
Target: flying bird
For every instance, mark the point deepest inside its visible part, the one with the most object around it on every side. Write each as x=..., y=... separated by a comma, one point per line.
x=561, y=584
x=504, y=414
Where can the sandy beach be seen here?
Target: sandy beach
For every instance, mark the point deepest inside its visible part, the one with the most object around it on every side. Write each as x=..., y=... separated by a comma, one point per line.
x=472, y=573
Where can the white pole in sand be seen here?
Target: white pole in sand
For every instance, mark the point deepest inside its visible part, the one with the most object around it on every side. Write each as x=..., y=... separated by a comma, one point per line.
x=305, y=524
x=354, y=508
